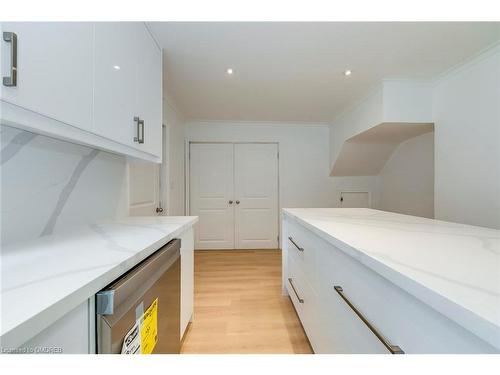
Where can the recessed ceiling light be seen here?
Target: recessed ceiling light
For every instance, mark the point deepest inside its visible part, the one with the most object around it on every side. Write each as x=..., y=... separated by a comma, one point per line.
x=229, y=71
x=116, y=67
x=347, y=73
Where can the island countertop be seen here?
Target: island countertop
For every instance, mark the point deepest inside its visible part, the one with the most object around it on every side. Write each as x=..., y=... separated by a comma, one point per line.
x=452, y=267
x=44, y=279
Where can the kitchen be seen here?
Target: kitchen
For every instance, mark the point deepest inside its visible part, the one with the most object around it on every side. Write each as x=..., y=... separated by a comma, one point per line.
x=258, y=188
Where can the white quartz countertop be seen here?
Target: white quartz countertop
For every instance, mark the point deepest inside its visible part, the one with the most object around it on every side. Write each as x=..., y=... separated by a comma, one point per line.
x=43, y=280
x=454, y=268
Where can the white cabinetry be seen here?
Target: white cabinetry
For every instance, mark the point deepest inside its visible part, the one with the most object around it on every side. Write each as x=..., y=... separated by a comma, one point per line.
x=127, y=84
x=187, y=279
x=54, y=70
x=71, y=334
x=85, y=83
x=316, y=267
x=116, y=65
x=149, y=91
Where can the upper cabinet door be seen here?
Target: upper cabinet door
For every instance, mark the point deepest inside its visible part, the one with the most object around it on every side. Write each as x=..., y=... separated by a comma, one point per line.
x=149, y=91
x=116, y=65
x=54, y=70
x=128, y=85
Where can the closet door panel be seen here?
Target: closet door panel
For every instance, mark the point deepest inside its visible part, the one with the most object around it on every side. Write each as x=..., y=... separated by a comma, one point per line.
x=211, y=194
x=256, y=196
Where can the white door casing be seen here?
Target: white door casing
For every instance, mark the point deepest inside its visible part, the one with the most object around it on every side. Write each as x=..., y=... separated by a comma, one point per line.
x=233, y=188
x=148, y=184
x=256, y=190
x=211, y=190
x=144, y=192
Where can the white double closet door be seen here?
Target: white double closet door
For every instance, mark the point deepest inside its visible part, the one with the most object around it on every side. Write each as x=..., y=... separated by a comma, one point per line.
x=234, y=191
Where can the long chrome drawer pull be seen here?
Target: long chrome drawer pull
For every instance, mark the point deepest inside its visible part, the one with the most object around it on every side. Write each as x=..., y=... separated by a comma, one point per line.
x=294, y=290
x=11, y=38
x=297, y=246
x=394, y=349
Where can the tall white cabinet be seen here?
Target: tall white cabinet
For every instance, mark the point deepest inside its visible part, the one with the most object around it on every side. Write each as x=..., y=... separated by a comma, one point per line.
x=97, y=84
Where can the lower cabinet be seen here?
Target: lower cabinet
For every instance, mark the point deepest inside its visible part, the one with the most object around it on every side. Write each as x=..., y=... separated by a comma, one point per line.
x=72, y=334
x=187, y=279
x=304, y=299
x=345, y=307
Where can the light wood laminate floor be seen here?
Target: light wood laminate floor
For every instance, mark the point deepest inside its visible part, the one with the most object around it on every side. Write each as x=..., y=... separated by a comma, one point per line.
x=238, y=306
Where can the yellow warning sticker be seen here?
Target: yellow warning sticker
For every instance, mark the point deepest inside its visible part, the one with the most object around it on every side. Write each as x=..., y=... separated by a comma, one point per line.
x=149, y=328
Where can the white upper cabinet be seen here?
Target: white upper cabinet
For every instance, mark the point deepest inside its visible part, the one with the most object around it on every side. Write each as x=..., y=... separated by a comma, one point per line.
x=54, y=70
x=128, y=85
x=115, y=83
x=91, y=83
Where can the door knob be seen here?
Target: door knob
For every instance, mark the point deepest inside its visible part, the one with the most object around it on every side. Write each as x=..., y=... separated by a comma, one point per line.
x=159, y=210
x=237, y=202
x=230, y=202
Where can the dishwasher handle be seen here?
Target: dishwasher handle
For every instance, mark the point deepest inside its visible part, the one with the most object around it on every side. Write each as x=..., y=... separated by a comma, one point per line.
x=105, y=302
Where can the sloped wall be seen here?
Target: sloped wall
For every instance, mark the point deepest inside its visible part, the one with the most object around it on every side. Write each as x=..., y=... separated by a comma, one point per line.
x=406, y=183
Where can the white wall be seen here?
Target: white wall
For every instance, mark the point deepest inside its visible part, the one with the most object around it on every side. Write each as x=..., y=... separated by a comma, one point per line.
x=407, y=101
x=360, y=117
x=47, y=185
x=174, y=122
x=304, y=156
x=393, y=101
x=406, y=183
x=466, y=110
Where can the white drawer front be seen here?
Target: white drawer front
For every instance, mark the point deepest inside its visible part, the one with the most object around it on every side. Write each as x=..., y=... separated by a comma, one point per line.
x=399, y=317
x=301, y=246
x=343, y=331
x=304, y=300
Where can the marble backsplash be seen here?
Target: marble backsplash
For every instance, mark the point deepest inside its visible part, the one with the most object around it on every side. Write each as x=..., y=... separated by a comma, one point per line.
x=48, y=185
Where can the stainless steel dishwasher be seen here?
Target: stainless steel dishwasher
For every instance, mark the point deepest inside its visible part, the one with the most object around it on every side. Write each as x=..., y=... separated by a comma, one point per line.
x=145, y=300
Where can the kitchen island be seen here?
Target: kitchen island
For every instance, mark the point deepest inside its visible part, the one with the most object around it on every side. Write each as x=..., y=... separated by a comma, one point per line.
x=48, y=284
x=369, y=281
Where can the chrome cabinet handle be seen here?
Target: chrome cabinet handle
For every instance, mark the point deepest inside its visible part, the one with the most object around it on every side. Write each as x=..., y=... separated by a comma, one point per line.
x=140, y=130
x=394, y=349
x=297, y=246
x=230, y=202
x=11, y=38
x=294, y=290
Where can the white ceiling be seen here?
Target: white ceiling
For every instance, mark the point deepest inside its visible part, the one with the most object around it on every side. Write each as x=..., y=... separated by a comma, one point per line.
x=293, y=71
